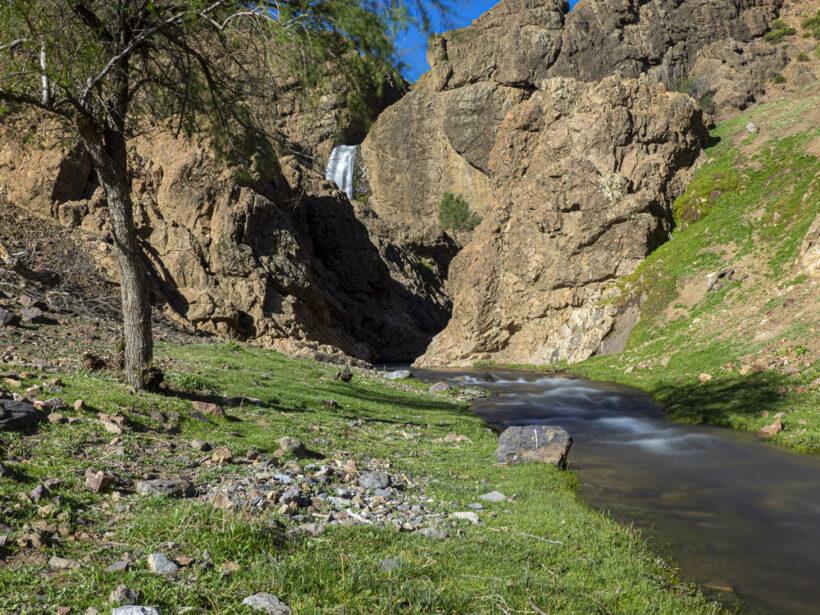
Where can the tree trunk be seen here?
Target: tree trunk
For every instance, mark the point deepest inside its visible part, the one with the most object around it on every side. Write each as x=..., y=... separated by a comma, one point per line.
x=110, y=160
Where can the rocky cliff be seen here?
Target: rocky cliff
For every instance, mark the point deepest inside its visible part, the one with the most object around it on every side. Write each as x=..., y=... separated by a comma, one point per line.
x=557, y=127
x=286, y=262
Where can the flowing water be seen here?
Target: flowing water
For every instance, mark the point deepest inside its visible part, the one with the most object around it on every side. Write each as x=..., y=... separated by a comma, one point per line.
x=733, y=510
x=340, y=167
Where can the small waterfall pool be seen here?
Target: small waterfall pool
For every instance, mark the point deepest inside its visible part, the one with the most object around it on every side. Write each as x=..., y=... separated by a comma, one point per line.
x=340, y=167
x=733, y=510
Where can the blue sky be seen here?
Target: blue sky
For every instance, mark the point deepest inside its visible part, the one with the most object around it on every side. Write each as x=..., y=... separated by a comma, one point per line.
x=413, y=44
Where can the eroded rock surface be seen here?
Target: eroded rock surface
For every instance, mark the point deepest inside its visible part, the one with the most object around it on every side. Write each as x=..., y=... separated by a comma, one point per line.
x=584, y=175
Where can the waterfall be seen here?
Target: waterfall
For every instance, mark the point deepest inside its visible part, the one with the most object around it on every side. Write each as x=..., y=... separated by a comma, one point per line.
x=340, y=167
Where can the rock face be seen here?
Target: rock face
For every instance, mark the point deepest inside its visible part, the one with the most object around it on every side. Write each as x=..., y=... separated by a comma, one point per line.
x=284, y=261
x=556, y=127
x=584, y=174
x=526, y=443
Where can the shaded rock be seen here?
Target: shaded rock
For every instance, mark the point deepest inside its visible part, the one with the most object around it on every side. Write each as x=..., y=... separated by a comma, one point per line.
x=168, y=487
x=33, y=315
x=374, y=480
x=124, y=595
x=440, y=387
x=97, y=480
x=119, y=566
x=199, y=444
x=17, y=415
x=157, y=562
x=210, y=409
x=38, y=493
x=540, y=443
x=267, y=603
x=8, y=319
x=292, y=446
x=222, y=455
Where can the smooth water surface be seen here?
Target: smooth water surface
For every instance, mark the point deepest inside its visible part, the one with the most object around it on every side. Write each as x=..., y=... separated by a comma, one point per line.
x=734, y=510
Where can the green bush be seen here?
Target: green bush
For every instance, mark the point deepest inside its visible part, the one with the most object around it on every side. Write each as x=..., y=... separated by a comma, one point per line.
x=778, y=31
x=779, y=79
x=802, y=57
x=812, y=24
x=454, y=214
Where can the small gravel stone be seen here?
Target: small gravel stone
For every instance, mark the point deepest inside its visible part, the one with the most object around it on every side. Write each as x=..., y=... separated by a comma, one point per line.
x=135, y=610
x=493, y=496
x=440, y=387
x=267, y=603
x=434, y=533
x=294, y=446
x=469, y=516
x=389, y=564
x=475, y=506
x=374, y=480
x=124, y=595
x=399, y=374
x=158, y=562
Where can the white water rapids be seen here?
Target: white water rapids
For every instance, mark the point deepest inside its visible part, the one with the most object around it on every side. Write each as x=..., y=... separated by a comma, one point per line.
x=340, y=167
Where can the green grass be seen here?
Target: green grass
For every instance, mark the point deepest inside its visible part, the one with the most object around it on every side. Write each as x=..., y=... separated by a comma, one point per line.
x=744, y=208
x=496, y=567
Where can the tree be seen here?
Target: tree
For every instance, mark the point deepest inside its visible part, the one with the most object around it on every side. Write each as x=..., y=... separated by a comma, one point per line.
x=108, y=67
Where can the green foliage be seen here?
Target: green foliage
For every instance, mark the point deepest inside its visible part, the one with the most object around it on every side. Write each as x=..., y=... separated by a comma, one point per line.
x=698, y=89
x=812, y=24
x=191, y=382
x=778, y=31
x=802, y=57
x=454, y=214
x=598, y=566
x=778, y=79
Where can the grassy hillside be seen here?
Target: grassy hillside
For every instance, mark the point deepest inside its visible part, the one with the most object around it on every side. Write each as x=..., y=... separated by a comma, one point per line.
x=542, y=546
x=747, y=348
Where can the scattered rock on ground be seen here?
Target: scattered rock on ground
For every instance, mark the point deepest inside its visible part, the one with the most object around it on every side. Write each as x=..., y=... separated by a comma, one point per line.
x=123, y=595
x=158, y=562
x=468, y=516
x=97, y=480
x=209, y=408
x=440, y=387
x=168, y=487
x=222, y=455
x=374, y=480
x=541, y=443
x=293, y=446
x=267, y=603
x=135, y=610
x=399, y=374
x=770, y=430
x=493, y=496
x=18, y=415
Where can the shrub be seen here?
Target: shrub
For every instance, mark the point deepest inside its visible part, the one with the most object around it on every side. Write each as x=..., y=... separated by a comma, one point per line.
x=802, y=57
x=454, y=214
x=812, y=24
x=778, y=31
x=779, y=79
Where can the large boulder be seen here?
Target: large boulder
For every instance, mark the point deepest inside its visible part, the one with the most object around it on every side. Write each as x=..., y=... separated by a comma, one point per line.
x=539, y=443
x=17, y=415
x=585, y=174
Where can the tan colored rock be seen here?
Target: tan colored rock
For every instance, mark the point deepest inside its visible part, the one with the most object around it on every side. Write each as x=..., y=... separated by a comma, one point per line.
x=584, y=174
x=97, y=480
x=222, y=501
x=209, y=408
x=222, y=455
x=770, y=430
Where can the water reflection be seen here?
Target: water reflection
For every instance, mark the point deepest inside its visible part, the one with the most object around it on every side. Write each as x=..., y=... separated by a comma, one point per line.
x=735, y=511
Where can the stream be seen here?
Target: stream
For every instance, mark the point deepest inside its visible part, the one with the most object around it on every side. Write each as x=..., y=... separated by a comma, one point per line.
x=732, y=509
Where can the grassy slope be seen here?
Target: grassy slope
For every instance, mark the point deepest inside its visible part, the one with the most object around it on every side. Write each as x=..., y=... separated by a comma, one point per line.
x=757, y=196
x=495, y=567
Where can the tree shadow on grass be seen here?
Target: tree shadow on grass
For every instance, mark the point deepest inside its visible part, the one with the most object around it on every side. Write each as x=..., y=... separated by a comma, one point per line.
x=725, y=399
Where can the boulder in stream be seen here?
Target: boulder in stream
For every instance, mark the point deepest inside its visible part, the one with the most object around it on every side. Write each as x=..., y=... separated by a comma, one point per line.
x=541, y=443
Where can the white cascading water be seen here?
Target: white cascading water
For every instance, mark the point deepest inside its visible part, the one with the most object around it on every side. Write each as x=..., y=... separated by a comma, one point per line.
x=340, y=167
